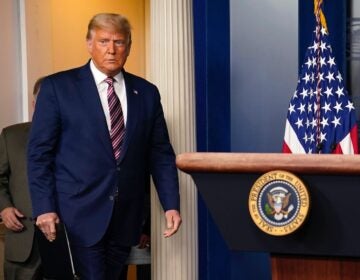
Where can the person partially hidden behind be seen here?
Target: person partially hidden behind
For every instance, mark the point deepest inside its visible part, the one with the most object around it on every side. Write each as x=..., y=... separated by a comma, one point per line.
x=140, y=254
x=98, y=133
x=22, y=260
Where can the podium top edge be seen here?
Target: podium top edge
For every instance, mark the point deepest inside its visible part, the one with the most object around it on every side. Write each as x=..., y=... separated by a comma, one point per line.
x=264, y=162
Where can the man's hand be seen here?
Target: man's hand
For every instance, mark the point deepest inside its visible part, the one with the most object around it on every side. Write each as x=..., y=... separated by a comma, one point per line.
x=144, y=241
x=10, y=217
x=47, y=224
x=173, y=222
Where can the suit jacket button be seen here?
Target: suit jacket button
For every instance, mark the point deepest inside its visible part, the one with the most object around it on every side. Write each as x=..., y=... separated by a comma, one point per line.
x=111, y=197
x=118, y=168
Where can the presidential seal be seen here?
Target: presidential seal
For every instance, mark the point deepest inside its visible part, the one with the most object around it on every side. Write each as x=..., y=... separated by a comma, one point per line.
x=279, y=203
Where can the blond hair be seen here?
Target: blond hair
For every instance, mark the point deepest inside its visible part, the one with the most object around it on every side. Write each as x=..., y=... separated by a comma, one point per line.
x=106, y=21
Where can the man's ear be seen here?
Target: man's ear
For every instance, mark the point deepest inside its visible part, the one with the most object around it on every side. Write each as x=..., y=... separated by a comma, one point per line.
x=89, y=45
x=128, y=49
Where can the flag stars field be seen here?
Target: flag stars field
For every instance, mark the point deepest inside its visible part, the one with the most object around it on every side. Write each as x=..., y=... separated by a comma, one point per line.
x=320, y=113
x=331, y=61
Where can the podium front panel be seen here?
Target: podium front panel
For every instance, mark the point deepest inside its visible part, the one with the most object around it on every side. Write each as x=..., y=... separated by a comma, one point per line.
x=331, y=228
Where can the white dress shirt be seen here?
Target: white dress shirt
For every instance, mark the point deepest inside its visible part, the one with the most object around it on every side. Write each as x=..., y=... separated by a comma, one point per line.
x=102, y=86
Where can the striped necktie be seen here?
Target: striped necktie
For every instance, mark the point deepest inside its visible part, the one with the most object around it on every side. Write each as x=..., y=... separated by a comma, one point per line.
x=117, y=130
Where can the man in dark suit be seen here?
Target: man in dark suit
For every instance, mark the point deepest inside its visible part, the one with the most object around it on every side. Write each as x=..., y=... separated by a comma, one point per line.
x=89, y=162
x=22, y=260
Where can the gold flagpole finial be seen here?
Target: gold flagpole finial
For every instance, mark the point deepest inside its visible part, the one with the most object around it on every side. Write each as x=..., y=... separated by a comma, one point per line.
x=319, y=13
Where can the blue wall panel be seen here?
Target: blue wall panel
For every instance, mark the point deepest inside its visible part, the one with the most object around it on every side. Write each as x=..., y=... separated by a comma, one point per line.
x=211, y=32
x=213, y=107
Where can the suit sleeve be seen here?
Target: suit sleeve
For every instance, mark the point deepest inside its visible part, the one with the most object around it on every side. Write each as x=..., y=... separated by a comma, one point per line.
x=42, y=150
x=162, y=162
x=5, y=199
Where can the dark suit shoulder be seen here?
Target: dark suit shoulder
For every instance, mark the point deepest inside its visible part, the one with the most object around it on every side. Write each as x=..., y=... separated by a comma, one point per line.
x=137, y=80
x=71, y=73
x=16, y=135
x=16, y=128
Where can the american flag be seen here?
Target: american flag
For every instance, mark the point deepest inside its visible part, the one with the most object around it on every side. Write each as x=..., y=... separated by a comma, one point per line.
x=321, y=117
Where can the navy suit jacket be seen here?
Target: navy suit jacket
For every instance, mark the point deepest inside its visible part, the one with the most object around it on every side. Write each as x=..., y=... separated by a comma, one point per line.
x=71, y=166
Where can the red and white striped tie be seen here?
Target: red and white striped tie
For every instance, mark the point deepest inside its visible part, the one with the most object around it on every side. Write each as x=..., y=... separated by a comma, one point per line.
x=117, y=130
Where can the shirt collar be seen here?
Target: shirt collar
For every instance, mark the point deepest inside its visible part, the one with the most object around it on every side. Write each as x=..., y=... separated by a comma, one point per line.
x=99, y=76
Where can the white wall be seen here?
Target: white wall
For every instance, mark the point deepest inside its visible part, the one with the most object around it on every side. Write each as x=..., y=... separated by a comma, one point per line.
x=10, y=66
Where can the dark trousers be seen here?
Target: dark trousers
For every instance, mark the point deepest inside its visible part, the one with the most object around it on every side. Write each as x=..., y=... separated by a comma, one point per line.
x=28, y=270
x=105, y=259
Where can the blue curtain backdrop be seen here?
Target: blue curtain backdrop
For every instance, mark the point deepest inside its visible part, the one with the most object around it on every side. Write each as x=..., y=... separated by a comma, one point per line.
x=212, y=118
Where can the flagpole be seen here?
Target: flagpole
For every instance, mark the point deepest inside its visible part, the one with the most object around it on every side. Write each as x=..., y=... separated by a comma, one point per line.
x=318, y=66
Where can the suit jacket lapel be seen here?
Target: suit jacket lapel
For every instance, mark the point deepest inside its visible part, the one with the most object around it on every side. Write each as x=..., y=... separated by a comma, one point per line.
x=133, y=102
x=92, y=104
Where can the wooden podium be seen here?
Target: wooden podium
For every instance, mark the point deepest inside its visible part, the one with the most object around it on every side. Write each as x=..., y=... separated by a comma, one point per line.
x=327, y=246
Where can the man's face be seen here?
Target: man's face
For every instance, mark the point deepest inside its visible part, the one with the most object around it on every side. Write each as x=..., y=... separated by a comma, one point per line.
x=108, y=50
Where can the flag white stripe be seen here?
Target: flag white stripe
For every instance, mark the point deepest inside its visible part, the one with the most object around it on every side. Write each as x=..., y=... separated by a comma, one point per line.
x=292, y=140
x=347, y=145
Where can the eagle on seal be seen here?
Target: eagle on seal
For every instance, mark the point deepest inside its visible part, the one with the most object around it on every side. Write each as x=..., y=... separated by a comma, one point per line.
x=278, y=202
